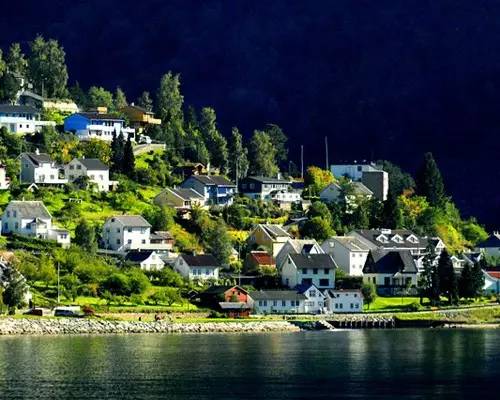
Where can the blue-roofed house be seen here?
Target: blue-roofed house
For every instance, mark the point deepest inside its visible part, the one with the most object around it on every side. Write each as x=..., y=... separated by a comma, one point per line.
x=96, y=125
x=216, y=189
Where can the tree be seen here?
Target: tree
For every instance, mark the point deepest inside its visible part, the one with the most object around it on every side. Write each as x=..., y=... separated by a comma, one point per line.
x=399, y=181
x=95, y=148
x=478, y=278
x=16, y=60
x=167, y=295
x=78, y=95
x=47, y=67
x=369, y=293
x=316, y=179
x=215, y=142
x=128, y=163
x=466, y=287
x=85, y=236
x=430, y=182
x=46, y=270
x=117, y=150
x=319, y=209
x=15, y=289
x=145, y=101
x=360, y=215
x=219, y=242
x=278, y=139
x=317, y=228
x=391, y=213
x=11, y=73
x=169, y=109
x=448, y=284
x=138, y=282
x=429, y=278
x=120, y=99
x=262, y=155
x=99, y=97
x=70, y=284
x=238, y=162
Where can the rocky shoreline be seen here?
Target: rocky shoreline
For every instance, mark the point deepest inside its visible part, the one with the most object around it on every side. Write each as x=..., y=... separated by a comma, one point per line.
x=76, y=326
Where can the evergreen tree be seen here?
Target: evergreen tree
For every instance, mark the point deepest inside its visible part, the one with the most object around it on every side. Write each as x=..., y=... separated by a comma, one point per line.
x=278, y=139
x=238, y=160
x=391, y=213
x=429, y=279
x=128, y=163
x=215, y=142
x=360, y=216
x=47, y=68
x=12, y=70
x=169, y=109
x=16, y=60
x=145, y=101
x=430, y=182
x=219, y=242
x=15, y=289
x=262, y=155
x=448, y=283
x=195, y=148
x=85, y=236
x=120, y=100
x=478, y=277
x=78, y=95
x=117, y=152
x=466, y=287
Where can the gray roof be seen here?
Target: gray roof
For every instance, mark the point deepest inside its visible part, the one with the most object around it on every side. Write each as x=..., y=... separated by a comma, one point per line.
x=313, y=261
x=390, y=262
x=350, y=242
x=360, y=189
x=93, y=164
x=133, y=221
x=372, y=234
x=11, y=109
x=37, y=159
x=99, y=116
x=276, y=295
x=138, y=256
x=216, y=180
x=186, y=194
x=29, y=209
x=266, y=179
x=274, y=230
x=201, y=260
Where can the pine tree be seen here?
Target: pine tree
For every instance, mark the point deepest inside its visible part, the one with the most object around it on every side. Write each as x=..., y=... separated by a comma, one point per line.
x=215, y=142
x=429, y=182
x=448, y=283
x=278, y=139
x=391, y=213
x=262, y=155
x=238, y=160
x=145, y=101
x=117, y=152
x=466, y=287
x=478, y=277
x=128, y=163
x=120, y=100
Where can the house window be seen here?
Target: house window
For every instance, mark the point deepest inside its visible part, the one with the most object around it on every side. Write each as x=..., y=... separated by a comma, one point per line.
x=315, y=271
x=8, y=214
x=16, y=226
x=129, y=229
x=72, y=167
x=324, y=282
x=336, y=305
x=326, y=271
x=408, y=281
x=387, y=281
x=51, y=176
x=312, y=293
x=355, y=295
x=341, y=305
x=78, y=167
x=283, y=303
x=207, y=271
x=117, y=241
x=117, y=230
x=357, y=305
x=14, y=213
x=304, y=271
x=275, y=303
x=307, y=281
x=352, y=305
x=129, y=241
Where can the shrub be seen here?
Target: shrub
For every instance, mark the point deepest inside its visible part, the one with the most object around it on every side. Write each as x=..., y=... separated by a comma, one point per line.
x=414, y=307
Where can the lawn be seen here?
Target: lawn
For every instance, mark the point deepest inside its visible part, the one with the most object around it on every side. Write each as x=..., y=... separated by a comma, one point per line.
x=141, y=161
x=391, y=303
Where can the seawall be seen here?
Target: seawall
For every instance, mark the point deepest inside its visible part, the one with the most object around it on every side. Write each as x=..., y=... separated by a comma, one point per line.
x=65, y=326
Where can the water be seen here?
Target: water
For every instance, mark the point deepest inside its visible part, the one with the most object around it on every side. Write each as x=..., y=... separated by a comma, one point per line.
x=372, y=364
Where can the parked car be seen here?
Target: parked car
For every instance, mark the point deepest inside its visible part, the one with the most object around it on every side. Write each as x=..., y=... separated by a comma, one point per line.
x=144, y=139
x=74, y=312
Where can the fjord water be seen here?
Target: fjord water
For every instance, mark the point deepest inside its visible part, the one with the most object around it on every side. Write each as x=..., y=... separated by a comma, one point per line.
x=371, y=364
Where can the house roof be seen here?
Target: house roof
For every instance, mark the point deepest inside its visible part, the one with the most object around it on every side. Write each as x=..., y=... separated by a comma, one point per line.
x=33, y=95
x=186, y=193
x=350, y=242
x=165, y=235
x=218, y=289
x=266, y=179
x=132, y=220
x=276, y=295
x=492, y=241
x=201, y=260
x=262, y=257
x=493, y=274
x=360, y=189
x=29, y=209
x=10, y=108
x=313, y=261
x=232, y=305
x=138, y=256
x=37, y=159
x=139, y=108
x=211, y=180
x=390, y=262
x=274, y=231
x=373, y=236
x=99, y=116
x=302, y=245
x=93, y=164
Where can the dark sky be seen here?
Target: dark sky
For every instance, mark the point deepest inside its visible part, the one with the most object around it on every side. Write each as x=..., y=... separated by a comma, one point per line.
x=381, y=79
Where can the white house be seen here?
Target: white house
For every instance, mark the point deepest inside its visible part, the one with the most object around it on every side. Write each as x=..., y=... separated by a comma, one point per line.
x=147, y=260
x=491, y=282
x=92, y=168
x=31, y=218
x=348, y=252
x=491, y=246
x=370, y=175
x=40, y=169
x=4, y=179
x=97, y=125
x=310, y=269
x=315, y=302
x=351, y=194
x=264, y=188
x=126, y=232
x=278, y=302
x=344, y=300
x=21, y=119
x=297, y=246
x=197, y=267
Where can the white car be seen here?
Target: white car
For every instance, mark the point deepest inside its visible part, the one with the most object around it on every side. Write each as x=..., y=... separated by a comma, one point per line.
x=144, y=139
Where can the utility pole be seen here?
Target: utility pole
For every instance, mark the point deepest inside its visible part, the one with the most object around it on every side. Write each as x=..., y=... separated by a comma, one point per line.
x=326, y=153
x=302, y=161
x=58, y=282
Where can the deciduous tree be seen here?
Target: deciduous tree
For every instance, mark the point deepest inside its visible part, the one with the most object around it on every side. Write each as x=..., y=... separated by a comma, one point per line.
x=262, y=155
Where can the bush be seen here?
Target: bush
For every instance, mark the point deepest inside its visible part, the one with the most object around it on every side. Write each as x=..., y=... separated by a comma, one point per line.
x=216, y=314
x=414, y=307
x=88, y=310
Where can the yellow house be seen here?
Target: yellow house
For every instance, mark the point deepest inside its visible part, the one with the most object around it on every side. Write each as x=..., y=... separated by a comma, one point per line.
x=270, y=236
x=140, y=117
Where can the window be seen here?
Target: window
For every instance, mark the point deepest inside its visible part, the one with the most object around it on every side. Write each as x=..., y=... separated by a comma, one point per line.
x=117, y=241
x=92, y=176
x=14, y=213
x=307, y=281
x=207, y=271
x=387, y=281
x=355, y=295
x=326, y=271
x=16, y=225
x=129, y=241
x=324, y=282
x=275, y=303
x=357, y=305
x=117, y=230
x=407, y=281
x=283, y=303
x=78, y=167
x=315, y=271
x=341, y=305
x=261, y=303
x=312, y=293
x=8, y=214
x=265, y=303
x=304, y=271
x=352, y=305
x=51, y=176
x=71, y=167
x=129, y=229
x=143, y=241
x=336, y=305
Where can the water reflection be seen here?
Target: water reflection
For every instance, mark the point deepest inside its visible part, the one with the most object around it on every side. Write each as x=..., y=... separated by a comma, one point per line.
x=346, y=364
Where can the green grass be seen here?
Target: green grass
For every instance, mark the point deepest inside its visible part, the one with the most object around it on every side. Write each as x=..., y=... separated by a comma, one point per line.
x=141, y=161
x=391, y=303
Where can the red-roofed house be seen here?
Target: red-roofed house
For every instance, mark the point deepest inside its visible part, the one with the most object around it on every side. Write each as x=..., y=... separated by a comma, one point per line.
x=260, y=261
